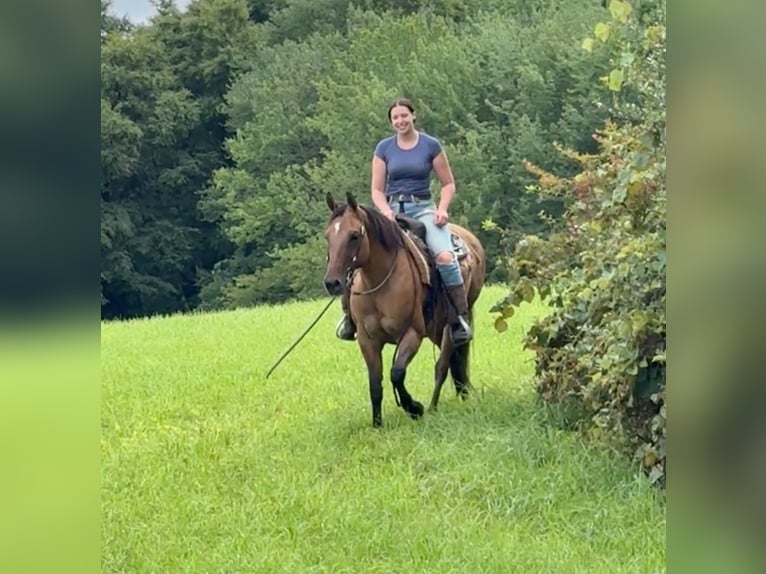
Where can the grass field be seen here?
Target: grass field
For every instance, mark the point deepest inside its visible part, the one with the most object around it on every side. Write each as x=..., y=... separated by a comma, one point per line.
x=208, y=467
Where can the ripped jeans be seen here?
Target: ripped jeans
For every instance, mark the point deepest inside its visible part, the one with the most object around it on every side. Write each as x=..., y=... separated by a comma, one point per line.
x=437, y=238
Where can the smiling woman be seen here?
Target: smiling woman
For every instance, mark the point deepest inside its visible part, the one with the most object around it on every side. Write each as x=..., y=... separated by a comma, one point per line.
x=402, y=166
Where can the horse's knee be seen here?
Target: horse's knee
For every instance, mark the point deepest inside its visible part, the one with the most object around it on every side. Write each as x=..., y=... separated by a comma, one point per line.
x=445, y=257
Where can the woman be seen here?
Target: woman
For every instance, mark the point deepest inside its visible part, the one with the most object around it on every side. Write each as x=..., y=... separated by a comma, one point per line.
x=401, y=170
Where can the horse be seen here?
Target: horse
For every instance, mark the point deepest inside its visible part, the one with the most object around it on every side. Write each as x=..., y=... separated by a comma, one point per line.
x=396, y=296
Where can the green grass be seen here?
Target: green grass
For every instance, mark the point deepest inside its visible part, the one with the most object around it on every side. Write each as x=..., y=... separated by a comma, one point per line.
x=209, y=467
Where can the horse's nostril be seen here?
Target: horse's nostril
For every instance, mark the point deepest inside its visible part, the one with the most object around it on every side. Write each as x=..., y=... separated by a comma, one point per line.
x=333, y=287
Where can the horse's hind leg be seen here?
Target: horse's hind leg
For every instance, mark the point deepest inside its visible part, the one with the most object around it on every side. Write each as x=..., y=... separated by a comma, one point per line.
x=442, y=368
x=405, y=351
x=458, y=366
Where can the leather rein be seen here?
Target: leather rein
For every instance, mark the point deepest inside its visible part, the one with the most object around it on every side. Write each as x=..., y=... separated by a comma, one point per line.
x=352, y=270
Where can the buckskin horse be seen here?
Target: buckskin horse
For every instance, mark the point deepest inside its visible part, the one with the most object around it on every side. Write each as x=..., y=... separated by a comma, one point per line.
x=396, y=296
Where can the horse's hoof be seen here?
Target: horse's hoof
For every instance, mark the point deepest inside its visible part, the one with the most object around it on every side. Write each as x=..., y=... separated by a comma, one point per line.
x=417, y=410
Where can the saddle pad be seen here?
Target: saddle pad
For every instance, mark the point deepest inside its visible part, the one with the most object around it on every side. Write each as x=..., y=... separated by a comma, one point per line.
x=419, y=257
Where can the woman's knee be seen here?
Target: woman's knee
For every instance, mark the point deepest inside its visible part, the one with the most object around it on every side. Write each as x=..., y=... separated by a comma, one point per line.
x=445, y=257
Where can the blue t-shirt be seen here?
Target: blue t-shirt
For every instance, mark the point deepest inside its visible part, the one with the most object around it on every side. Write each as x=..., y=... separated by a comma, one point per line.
x=409, y=171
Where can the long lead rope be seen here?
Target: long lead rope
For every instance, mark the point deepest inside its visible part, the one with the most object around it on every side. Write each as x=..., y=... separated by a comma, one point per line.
x=330, y=302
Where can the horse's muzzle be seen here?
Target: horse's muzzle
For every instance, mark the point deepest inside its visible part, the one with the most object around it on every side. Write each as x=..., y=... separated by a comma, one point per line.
x=334, y=287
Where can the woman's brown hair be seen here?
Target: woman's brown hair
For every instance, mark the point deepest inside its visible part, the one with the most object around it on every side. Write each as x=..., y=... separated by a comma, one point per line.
x=401, y=102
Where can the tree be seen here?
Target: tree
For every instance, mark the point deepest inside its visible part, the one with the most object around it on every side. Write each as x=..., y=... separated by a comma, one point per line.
x=166, y=80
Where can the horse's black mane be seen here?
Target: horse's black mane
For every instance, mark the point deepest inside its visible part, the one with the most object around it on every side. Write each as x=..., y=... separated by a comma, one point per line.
x=387, y=232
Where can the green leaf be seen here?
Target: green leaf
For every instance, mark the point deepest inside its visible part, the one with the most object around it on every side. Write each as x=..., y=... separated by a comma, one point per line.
x=615, y=80
x=626, y=60
x=600, y=283
x=620, y=10
x=650, y=457
x=654, y=33
x=639, y=321
x=500, y=325
x=619, y=194
x=602, y=31
x=489, y=225
x=587, y=44
x=527, y=292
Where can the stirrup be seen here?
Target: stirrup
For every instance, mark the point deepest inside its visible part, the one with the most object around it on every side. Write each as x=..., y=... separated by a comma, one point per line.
x=345, y=331
x=461, y=332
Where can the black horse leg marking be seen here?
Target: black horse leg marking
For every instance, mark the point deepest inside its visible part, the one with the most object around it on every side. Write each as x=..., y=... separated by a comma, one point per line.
x=442, y=367
x=405, y=351
x=376, y=398
x=458, y=366
x=373, y=357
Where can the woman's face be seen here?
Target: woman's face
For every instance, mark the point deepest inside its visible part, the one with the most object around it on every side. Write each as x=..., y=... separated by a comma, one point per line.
x=402, y=119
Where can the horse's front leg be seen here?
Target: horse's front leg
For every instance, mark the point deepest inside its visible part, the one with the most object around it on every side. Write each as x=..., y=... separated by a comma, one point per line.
x=372, y=353
x=405, y=351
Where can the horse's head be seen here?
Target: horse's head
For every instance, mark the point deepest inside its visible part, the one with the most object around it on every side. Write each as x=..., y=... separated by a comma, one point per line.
x=348, y=244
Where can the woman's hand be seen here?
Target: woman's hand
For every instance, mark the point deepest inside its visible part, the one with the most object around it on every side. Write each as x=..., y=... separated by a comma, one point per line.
x=440, y=217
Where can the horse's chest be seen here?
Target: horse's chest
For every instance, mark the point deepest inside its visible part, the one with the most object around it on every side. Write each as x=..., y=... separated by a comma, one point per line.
x=383, y=326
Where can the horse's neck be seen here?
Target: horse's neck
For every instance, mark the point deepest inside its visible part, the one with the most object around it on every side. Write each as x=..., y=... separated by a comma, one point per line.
x=378, y=267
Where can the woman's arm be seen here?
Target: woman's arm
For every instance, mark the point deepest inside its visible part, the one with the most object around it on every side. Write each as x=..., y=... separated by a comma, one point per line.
x=444, y=173
x=377, y=183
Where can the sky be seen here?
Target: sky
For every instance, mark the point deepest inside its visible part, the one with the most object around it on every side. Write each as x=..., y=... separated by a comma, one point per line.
x=139, y=11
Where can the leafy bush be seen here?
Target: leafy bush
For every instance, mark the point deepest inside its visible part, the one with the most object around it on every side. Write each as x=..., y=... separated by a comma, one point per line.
x=602, y=347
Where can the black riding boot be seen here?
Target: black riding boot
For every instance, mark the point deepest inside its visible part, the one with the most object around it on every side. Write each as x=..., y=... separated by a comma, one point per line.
x=346, y=329
x=458, y=315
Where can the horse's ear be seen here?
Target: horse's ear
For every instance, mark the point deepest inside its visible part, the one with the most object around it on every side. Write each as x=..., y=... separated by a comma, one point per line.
x=351, y=200
x=330, y=201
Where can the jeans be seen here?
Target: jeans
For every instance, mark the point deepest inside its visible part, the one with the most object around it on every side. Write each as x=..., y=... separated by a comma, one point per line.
x=438, y=238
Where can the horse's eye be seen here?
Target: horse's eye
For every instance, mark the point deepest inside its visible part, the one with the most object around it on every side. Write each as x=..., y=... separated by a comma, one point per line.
x=354, y=236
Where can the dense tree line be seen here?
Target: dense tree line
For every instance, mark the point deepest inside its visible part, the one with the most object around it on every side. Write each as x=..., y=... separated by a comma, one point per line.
x=224, y=125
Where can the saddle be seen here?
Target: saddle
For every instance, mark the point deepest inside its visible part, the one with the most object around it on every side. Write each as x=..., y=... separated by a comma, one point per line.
x=418, y=229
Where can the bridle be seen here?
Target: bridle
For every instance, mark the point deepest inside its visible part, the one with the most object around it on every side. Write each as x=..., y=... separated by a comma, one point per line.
x=352, y=269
